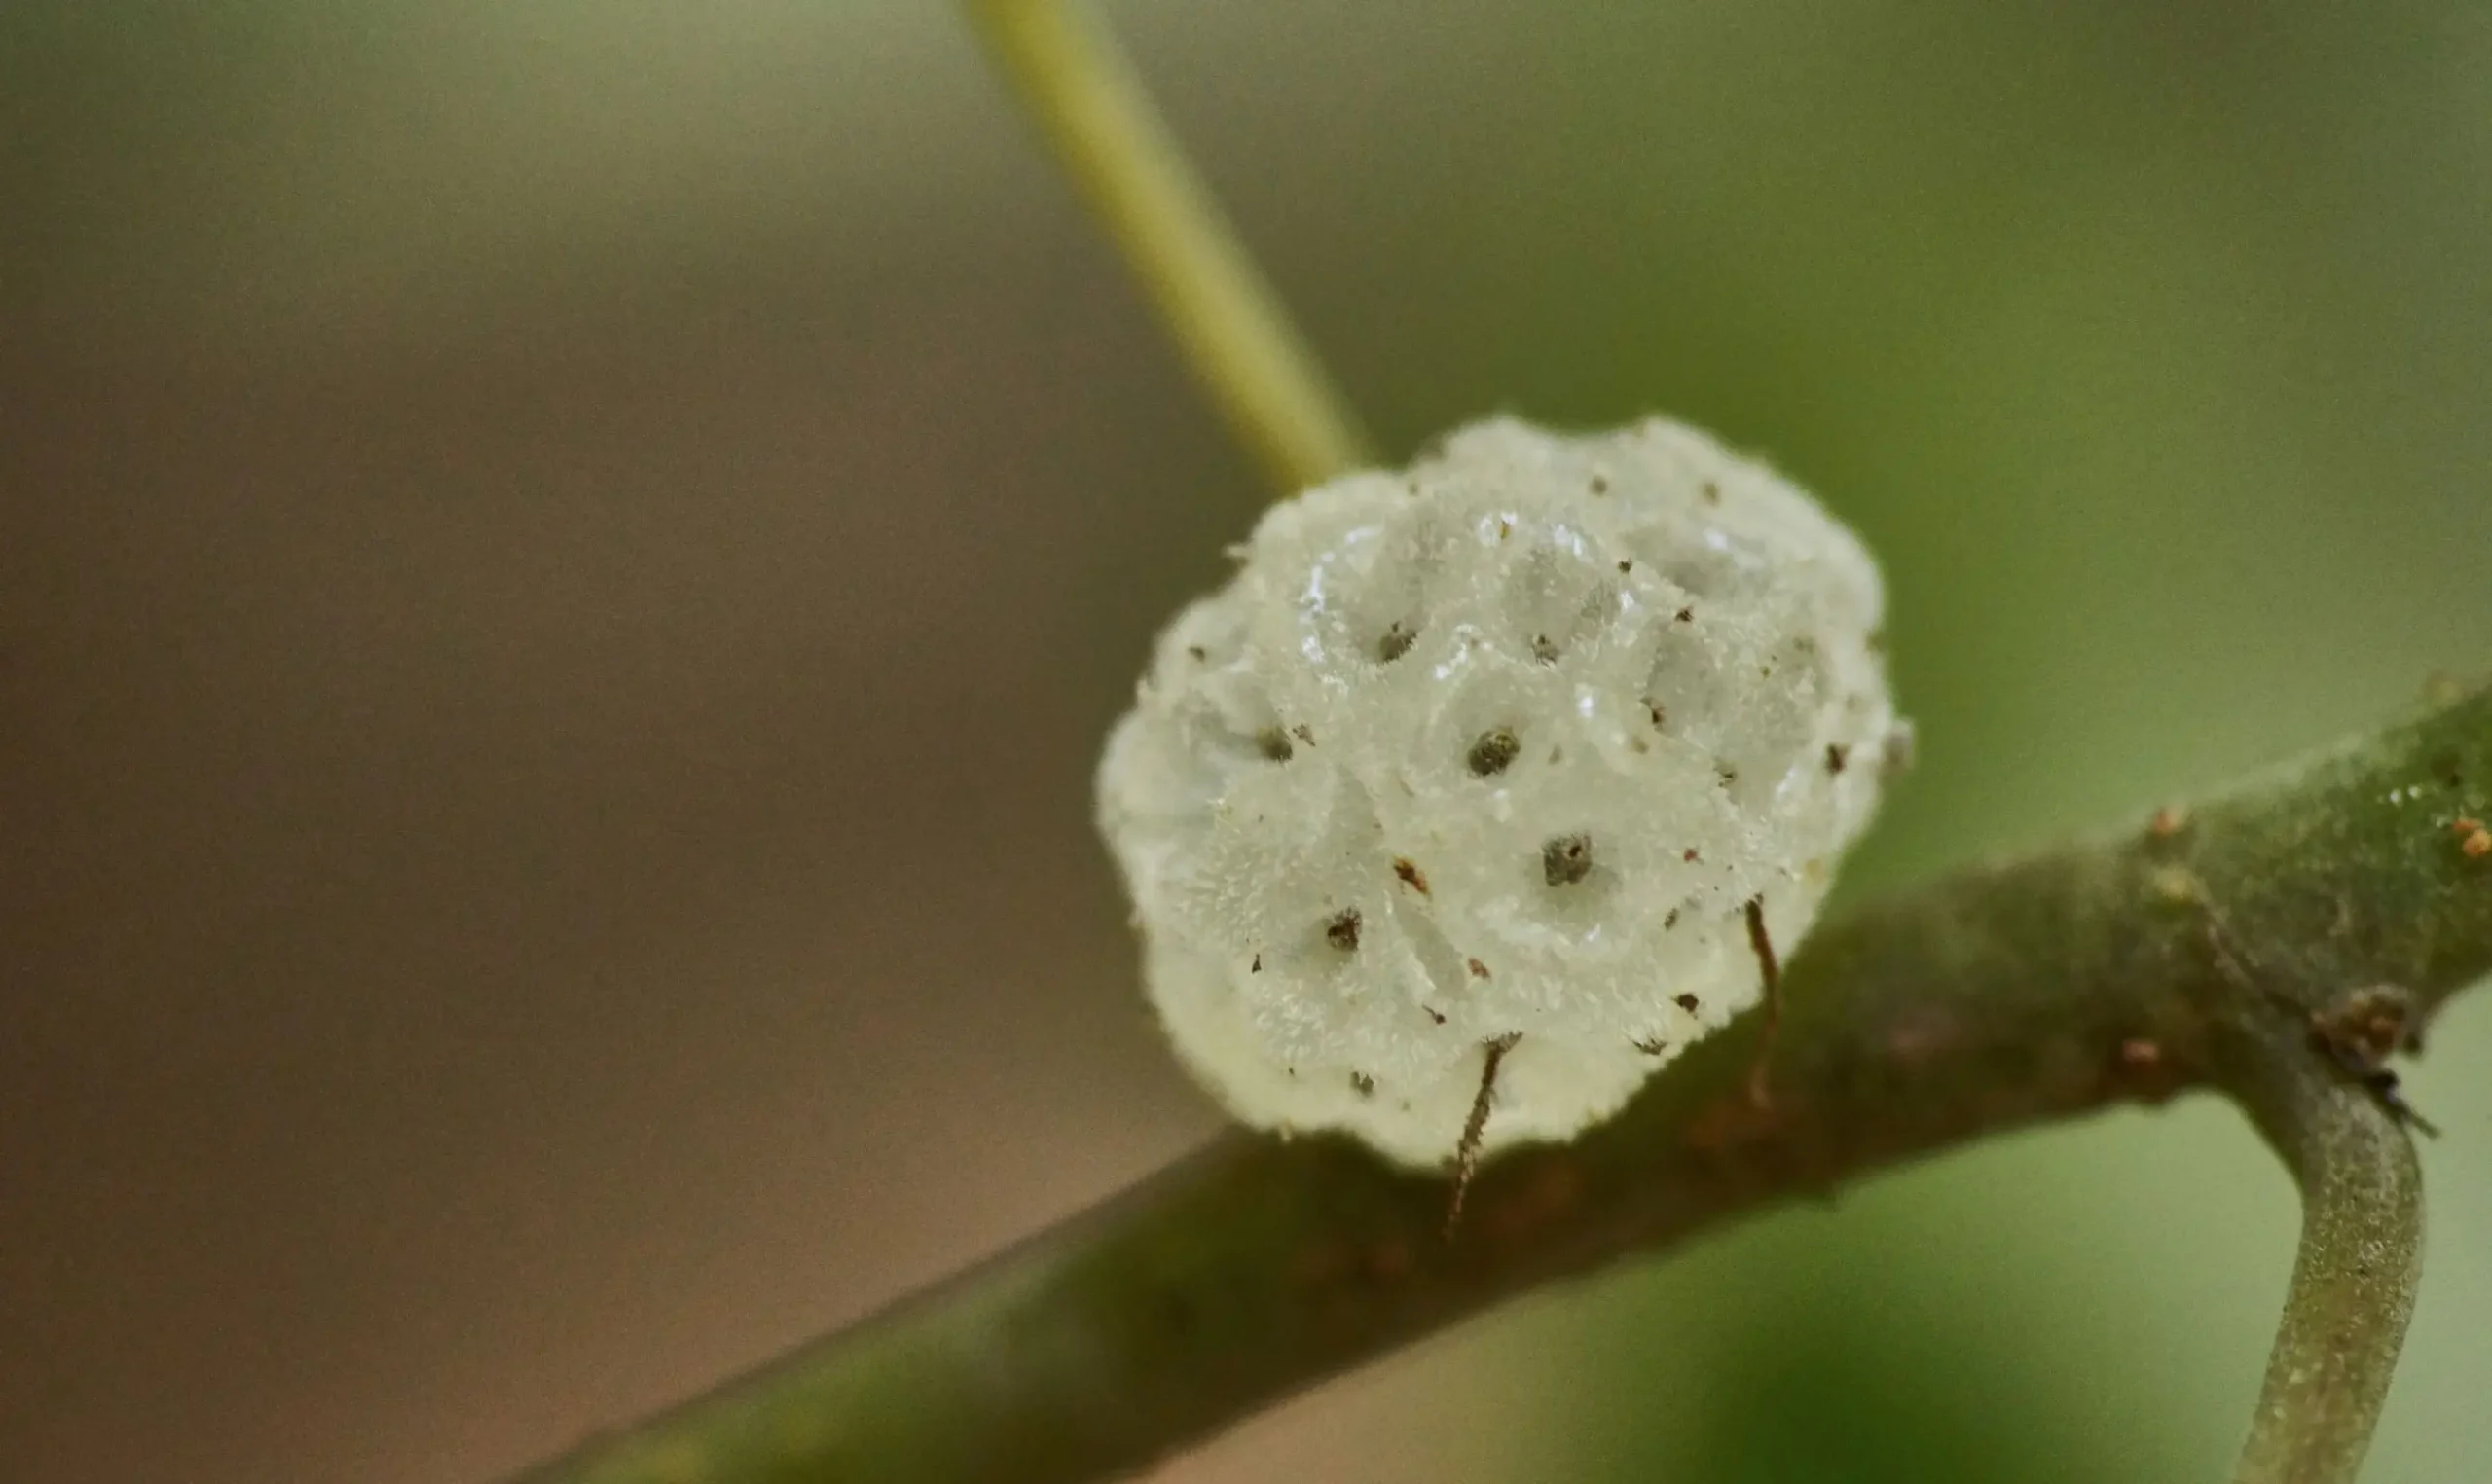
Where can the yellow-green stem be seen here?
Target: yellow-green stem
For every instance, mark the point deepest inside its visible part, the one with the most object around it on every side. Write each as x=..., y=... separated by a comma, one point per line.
x=1225, y=319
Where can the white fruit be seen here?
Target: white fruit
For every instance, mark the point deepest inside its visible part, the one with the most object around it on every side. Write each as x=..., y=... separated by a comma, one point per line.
x=1499, y=746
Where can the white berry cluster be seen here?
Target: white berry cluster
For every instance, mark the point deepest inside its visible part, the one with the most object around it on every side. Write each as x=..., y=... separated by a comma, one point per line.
x=1497, y=751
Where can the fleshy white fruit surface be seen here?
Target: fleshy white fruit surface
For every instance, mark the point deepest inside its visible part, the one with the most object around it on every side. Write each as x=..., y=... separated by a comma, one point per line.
x=1500, y=746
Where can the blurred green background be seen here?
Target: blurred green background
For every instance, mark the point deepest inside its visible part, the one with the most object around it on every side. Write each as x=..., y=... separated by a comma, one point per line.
x=563, y=567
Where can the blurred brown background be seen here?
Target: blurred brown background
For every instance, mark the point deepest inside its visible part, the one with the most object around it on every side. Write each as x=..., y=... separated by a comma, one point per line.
x=561, y=569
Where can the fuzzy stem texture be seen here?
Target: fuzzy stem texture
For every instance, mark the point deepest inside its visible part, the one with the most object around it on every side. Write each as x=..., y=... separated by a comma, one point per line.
x=1225, y=319
x=2354, y=1279
x=2189, y=951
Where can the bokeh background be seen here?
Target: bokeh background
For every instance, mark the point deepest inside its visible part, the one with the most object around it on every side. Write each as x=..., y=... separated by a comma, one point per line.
x=561, y=569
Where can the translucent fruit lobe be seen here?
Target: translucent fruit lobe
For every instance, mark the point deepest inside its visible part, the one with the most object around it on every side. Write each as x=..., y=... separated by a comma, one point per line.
x=1496, y=750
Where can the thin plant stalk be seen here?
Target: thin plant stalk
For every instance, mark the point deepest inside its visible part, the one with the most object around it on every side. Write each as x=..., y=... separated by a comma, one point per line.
x=1225, y=319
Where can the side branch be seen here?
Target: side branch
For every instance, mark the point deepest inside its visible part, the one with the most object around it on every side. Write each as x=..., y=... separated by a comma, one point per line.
x=1990, y=998
x=2354, y=1278
x=1225, y=319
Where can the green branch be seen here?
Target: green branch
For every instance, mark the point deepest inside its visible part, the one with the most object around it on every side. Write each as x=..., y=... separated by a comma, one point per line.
x=2195, y=952
x=2354, y=1280
x=2239, y=946
x=1225, y=319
